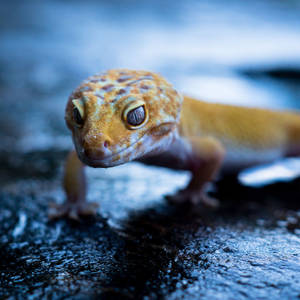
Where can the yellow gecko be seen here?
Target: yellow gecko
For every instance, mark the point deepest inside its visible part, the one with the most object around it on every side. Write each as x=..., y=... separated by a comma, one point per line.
x=124, y=115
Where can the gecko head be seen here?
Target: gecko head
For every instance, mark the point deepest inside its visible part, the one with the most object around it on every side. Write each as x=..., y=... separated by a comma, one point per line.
x=121, y=115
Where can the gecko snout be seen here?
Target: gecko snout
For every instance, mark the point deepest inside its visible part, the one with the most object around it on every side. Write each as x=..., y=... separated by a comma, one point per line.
x=95, y=149
x=96, y=153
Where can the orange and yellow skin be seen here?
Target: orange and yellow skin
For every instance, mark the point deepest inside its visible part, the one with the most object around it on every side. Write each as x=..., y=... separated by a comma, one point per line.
x=177, y=132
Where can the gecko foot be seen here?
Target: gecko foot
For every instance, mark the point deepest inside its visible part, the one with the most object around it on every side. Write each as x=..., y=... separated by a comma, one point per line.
x=193, y=197
x=72, y=210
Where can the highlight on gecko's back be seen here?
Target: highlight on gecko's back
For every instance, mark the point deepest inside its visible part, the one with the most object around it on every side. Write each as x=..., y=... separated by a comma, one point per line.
x=121, y=115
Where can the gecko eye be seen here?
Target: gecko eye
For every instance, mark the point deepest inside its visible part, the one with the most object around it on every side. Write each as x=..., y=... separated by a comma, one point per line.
x=135, y=115
x=77, y=116
x=78, y=112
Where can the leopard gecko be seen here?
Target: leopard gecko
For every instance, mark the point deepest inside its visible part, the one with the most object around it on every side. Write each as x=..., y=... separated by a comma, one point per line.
x=123, y=115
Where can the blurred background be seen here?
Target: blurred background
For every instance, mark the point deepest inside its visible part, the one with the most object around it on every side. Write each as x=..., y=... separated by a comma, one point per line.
x=245, y=52
x=138, y=246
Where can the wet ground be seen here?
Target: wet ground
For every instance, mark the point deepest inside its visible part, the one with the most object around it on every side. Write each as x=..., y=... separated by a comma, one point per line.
x=138, y=246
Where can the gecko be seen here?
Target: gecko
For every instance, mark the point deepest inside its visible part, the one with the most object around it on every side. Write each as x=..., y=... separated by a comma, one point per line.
x=123, y=115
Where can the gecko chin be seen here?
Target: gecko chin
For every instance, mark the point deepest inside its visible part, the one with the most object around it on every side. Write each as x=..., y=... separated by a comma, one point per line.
x=105, y=162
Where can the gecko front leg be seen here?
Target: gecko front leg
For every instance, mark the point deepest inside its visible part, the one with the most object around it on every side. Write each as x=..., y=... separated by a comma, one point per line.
x=74, y=184
x=204, y=163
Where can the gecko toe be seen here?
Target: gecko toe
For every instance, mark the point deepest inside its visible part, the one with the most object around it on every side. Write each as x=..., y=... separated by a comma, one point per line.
x=208, y=201
x=194, y=198
x=89, y=209
x=72, y=211
x=73, y=215
x=56, y=211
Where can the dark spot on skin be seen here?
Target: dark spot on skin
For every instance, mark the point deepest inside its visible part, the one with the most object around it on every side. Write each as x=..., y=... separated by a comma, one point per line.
x=121, y=91
x=124, y=78
x=132, y=82
x=140, y=79
x=94, y=80
x=86, y=89
x=113, y=100
x=97, y=94
x=108, y=87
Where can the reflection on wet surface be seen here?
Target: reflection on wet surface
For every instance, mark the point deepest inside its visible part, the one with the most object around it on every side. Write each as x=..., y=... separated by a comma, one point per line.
x=139, y=246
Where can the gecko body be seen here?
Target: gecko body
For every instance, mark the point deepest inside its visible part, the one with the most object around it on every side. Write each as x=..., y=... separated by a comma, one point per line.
x=123, y=115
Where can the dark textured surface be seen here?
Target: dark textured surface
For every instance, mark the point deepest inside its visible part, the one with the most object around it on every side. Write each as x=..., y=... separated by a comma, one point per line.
x=138, y=246
x=141, y=247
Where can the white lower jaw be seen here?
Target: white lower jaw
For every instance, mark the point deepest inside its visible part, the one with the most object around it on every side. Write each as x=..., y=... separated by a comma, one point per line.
x=102, y=163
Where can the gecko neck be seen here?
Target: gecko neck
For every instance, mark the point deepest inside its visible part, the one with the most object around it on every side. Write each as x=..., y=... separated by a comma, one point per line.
x=174, y=153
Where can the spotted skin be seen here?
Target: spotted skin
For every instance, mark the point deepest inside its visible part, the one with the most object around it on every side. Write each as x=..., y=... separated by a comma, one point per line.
x=104, y=98
x=177, y=132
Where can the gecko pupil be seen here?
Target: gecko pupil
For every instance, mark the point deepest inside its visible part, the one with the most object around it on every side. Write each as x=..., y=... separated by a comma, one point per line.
x=136, y=116
x=77, y=116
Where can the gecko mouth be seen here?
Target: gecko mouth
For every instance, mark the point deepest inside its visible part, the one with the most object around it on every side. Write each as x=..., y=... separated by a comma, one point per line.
x=147, y=140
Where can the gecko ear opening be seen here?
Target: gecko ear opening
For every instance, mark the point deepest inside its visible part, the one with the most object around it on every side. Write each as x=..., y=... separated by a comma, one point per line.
x=135, y=115
x=163, y=129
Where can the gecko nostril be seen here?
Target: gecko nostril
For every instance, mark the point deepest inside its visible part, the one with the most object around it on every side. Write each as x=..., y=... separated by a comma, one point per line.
x=106, y=144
